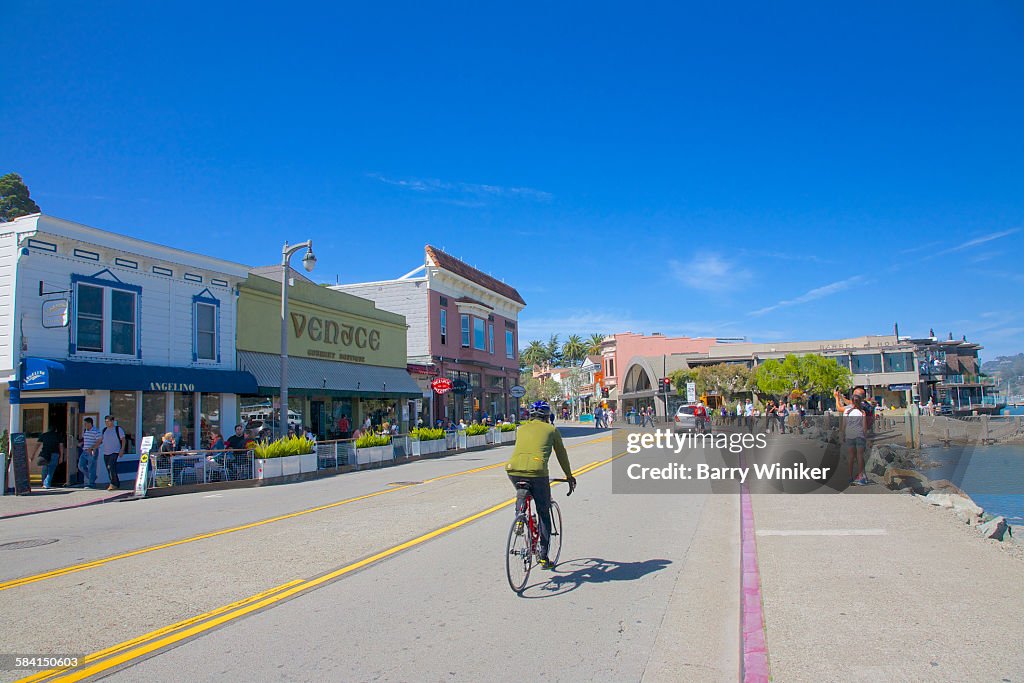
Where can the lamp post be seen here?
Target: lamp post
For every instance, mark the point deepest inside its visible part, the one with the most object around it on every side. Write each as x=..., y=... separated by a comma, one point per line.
x=308, y=261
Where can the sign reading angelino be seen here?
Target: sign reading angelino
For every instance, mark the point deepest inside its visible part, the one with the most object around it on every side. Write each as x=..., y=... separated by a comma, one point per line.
x=171, y=386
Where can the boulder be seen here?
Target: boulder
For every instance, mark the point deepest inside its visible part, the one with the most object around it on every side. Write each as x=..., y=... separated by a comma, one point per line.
x=966, y=516
x=896, y=478
x=943, y=500
x=966, y=504
x=946, y=486
x=995, y=528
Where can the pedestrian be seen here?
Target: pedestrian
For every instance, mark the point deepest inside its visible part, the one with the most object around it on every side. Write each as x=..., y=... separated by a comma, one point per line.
x=609, y=417
x=648, y=416
x=770, y=419
x=855, y=433
x=49, y=453
x=113, y=442
x=598, y=416
x=781, y=414
x=748, y=415
x=89, y=453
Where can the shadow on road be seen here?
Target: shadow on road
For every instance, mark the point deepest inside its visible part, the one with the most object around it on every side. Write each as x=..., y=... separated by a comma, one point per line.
x=571, y=574
x=569, y=432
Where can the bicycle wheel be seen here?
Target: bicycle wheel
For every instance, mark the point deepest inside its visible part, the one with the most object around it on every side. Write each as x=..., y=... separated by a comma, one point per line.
x=555, y=544
x=518, y=554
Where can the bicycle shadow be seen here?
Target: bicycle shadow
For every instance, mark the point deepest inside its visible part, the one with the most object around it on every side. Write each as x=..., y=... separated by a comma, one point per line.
x=571, y=574
x=570, y=432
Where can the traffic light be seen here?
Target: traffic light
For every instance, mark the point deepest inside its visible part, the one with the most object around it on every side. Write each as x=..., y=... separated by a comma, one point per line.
x=604, y=392
x=666, y=384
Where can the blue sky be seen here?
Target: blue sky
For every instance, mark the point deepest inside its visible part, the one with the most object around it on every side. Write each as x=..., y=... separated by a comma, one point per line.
x=770, y=170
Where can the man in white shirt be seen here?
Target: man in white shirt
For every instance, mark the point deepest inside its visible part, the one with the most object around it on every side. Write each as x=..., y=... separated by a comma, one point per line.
x=89, y=453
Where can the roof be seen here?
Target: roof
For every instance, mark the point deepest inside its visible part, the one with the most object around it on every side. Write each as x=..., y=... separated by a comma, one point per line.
x=274, y=273
x=329, y=375
x=438, y=258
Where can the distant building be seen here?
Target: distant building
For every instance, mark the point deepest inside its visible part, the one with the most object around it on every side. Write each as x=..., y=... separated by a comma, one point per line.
x=463, y=327
x=618, y=350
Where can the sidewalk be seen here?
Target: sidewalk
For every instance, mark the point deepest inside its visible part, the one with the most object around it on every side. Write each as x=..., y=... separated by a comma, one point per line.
x=42, y=500
x=884, y=587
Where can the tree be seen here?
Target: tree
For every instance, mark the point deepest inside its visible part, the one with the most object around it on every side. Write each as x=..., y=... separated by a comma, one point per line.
x=574, y=350
x=535, y=353
x=554, y=354
x=594, y=344
x=812, y=374
x=14, y=198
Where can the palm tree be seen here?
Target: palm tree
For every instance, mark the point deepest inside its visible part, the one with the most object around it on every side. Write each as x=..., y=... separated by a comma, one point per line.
x=535, y=353
x=594, y=344
x=574, y=350
x=554, y=356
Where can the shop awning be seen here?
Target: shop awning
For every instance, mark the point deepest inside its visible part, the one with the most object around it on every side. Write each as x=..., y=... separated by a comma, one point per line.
x=331, y=377
x=43, y=373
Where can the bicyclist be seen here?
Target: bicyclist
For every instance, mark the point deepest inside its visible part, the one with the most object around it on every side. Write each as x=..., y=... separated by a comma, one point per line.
x=535, y=440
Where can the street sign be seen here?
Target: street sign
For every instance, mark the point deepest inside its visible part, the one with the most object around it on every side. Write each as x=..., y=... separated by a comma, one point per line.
x=691, y=392
x=55, y=313
x=441, y=385
x=142, y=478
x=517, y=391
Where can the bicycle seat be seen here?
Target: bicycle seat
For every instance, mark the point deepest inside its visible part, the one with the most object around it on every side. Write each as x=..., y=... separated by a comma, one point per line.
x=522, y=484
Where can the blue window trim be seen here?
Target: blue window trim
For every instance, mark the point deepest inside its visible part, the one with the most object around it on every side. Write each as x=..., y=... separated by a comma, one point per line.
x=205, y=297
x=112, y=283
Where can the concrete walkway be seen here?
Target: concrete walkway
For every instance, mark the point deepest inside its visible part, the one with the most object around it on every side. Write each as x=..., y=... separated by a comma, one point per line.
x=884, y=587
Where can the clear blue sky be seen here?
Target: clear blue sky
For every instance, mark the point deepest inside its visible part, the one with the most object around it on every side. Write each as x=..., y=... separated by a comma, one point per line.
x=774, y=170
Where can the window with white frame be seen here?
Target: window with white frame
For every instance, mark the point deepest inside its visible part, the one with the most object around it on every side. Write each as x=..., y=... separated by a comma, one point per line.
x=206, y=331
x=510, y=344
x=444, y=326
x=106, y=320
x=465, y=330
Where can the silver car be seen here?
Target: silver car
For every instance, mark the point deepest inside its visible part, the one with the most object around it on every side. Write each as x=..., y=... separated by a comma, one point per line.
x=685, y=420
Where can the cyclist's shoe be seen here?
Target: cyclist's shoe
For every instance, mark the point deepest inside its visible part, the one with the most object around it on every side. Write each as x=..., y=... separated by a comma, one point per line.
x=520, y=527
x=545, y=563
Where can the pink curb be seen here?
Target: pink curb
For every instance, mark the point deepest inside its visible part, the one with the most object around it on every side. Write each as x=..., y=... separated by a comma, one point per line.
x=755, y=648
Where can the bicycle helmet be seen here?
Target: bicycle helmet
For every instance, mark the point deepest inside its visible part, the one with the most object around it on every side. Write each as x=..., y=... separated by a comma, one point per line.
x=540, y=410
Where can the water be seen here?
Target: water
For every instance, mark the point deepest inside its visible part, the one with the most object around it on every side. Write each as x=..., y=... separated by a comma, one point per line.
x=1013, y=410
x=993, y=476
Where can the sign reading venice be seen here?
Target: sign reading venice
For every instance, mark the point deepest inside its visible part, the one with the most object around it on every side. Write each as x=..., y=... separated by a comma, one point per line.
x=332, y=332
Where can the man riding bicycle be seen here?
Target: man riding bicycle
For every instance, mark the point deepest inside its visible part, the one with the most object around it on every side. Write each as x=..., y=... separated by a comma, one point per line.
x=535, y=440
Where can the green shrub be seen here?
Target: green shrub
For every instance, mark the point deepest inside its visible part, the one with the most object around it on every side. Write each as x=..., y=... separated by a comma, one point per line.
x=371, y=440
x=292, y=445
x=427, y=434
x=508, y=427
x=476, y=430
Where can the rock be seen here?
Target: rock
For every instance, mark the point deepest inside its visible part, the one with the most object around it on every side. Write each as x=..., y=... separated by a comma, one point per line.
x=995, y=528
x=943, y=500
x=946, y=486
x=966, y=516
x=875, y=464
x=896, y=478
x=966, y=504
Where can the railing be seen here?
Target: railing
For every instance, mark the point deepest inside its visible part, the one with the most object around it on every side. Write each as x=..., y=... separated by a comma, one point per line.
x=182, y=468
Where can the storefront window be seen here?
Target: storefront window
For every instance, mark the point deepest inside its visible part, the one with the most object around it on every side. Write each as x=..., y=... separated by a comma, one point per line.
x=255, y=413
x=122, y=407
x=296, y=412
x=154, y=415
x=209, y=419
x=899, y=362
x=185, y=420
x=864, y=363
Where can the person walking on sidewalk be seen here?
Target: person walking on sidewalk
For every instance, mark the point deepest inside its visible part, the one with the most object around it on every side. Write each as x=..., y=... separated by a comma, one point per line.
x=89, y=453
x=49, y=453
x=112, y=442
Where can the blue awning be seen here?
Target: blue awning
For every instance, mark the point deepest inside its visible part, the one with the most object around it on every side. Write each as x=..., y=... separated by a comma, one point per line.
x=43, y=373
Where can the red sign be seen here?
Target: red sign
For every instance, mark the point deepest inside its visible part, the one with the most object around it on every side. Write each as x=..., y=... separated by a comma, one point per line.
x=441, y=385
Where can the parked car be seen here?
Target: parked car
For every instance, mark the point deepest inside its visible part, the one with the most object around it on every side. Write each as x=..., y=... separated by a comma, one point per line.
x=692, y=417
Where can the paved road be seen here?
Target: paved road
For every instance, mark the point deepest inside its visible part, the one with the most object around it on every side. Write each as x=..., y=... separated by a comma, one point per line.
x=647, y=587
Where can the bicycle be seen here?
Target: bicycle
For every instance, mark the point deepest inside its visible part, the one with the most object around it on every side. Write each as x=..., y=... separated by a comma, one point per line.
x=523, y=548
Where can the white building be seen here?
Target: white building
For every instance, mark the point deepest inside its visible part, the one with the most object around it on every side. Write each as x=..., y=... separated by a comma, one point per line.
x=95, y=323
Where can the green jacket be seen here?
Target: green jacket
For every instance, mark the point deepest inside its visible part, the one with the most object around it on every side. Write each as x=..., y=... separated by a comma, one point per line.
x=534, y=441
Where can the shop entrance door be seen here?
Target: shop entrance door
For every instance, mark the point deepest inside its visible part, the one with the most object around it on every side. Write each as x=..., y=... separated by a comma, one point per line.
x=37, y=418
x=318, y=419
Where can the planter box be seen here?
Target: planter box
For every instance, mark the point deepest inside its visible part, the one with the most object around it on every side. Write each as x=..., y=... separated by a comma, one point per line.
x=365, y=456
x=508, y=437
x=428, y=447
x=290, y=464
x=308, y=463
x=474, y=441
x=267, y=469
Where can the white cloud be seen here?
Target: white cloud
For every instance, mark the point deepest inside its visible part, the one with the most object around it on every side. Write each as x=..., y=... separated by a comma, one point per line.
x=586, y=322
x=812, y=295
x=432, y=185
x=975, y=242
x=709, y=273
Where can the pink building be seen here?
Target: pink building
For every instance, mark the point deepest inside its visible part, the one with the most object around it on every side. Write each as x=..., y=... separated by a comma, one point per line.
x=463, y=326
x=619, y=349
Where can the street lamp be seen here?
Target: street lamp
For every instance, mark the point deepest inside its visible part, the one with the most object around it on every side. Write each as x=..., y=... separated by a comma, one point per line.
x=308, y=261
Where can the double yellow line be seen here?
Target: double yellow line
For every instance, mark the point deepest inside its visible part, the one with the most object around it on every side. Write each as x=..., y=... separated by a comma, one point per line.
x=63, y=571
x=150, y=643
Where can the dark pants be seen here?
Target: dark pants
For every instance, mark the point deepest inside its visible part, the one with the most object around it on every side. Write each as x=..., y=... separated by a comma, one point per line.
x=540, y=489
x=110, y=460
